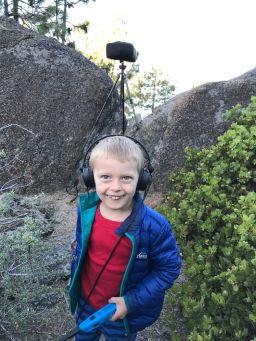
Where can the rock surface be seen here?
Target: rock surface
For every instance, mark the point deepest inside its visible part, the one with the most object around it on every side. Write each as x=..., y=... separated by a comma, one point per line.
x=190, y=119
x=50, y=98
x=55, y=94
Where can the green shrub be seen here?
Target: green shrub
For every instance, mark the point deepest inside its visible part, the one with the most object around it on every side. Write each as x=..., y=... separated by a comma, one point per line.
x=212, y=206
x=26, y=268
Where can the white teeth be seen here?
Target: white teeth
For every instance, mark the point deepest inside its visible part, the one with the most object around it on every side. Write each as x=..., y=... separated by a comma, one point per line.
x=113, y=197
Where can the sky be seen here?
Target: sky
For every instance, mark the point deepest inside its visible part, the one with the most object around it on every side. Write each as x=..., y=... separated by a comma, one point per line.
x=192, y=41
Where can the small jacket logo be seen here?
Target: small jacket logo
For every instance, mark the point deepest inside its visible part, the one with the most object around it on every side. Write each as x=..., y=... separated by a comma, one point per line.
x=142, y=256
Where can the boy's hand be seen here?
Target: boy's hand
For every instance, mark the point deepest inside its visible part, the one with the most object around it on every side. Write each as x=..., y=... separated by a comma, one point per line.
x=121, y=309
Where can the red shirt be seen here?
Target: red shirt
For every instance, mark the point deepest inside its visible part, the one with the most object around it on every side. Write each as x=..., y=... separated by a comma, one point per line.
x=103, y=240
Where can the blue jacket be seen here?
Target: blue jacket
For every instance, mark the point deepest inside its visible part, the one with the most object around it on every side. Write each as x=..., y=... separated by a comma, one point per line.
x=153, y=266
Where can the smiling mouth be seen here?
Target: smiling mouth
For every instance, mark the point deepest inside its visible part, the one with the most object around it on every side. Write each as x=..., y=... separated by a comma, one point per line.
x=115, y=197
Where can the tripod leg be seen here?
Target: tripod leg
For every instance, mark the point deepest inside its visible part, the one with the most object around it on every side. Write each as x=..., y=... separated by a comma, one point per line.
x=110, y=93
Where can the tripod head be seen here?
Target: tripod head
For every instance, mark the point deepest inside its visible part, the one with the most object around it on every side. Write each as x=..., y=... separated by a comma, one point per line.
x=122, y=66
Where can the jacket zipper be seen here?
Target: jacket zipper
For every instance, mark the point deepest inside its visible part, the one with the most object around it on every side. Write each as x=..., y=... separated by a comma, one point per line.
x=125, y=277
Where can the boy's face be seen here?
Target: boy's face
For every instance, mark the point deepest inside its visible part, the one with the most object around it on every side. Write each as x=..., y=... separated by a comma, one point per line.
x=116, y=183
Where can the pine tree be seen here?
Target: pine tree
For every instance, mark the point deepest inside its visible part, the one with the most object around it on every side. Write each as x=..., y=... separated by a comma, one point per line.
x=50, y=19
x=152, y=90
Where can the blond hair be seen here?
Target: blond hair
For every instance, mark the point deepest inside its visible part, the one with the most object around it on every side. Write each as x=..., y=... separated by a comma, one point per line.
x=120, y=148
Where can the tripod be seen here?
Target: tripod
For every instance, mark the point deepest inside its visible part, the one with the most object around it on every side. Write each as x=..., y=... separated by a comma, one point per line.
x=123, y=83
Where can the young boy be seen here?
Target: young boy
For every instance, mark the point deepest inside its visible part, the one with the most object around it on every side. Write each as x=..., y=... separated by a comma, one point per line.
x=125, y=251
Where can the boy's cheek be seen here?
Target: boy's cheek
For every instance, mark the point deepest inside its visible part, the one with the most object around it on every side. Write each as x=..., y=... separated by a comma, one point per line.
x=99, y=188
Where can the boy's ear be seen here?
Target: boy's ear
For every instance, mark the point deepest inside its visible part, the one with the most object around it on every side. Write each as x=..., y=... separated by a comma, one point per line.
x=88, y=177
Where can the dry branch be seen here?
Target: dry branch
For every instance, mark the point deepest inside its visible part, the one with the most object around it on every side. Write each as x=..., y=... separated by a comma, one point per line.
x=16, y=125
x=7, y=333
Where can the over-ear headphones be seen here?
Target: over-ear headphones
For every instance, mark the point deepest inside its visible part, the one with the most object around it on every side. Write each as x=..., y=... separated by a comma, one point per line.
x=145, y=177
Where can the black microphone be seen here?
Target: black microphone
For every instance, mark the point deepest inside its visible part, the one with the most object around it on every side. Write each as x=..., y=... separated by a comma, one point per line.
x=121, y=51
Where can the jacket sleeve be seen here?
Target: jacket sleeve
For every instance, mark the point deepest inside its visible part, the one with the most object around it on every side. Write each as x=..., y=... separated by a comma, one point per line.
x=165, y=265
x=78, y=243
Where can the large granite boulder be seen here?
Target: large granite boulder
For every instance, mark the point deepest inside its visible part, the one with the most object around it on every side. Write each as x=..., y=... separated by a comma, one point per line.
x=193, y=118
x=50, y=99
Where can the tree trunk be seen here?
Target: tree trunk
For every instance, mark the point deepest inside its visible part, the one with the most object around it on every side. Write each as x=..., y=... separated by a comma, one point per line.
x=64, y=23
x=6, y=10
x=154, y=93
x=57, y=26
x=15, y=10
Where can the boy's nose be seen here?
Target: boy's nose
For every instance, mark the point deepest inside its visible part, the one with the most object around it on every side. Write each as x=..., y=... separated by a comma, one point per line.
x=115, y=185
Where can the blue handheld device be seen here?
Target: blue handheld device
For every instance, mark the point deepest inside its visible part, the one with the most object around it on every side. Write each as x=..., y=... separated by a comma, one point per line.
x=93, y=321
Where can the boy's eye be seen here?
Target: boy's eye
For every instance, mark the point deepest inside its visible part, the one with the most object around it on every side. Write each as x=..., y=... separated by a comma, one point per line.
x=104, y=177
x=126, y=178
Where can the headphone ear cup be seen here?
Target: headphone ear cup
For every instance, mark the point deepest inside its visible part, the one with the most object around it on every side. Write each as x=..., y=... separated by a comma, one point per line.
x=144, y=181
x=87, y=175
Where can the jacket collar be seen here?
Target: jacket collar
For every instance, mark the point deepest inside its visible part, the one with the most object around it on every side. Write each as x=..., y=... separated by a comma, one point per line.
x=88, y=200
x=132, y=222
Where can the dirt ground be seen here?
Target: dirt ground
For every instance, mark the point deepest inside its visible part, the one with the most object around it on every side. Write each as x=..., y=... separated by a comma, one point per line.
x=64, y=233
